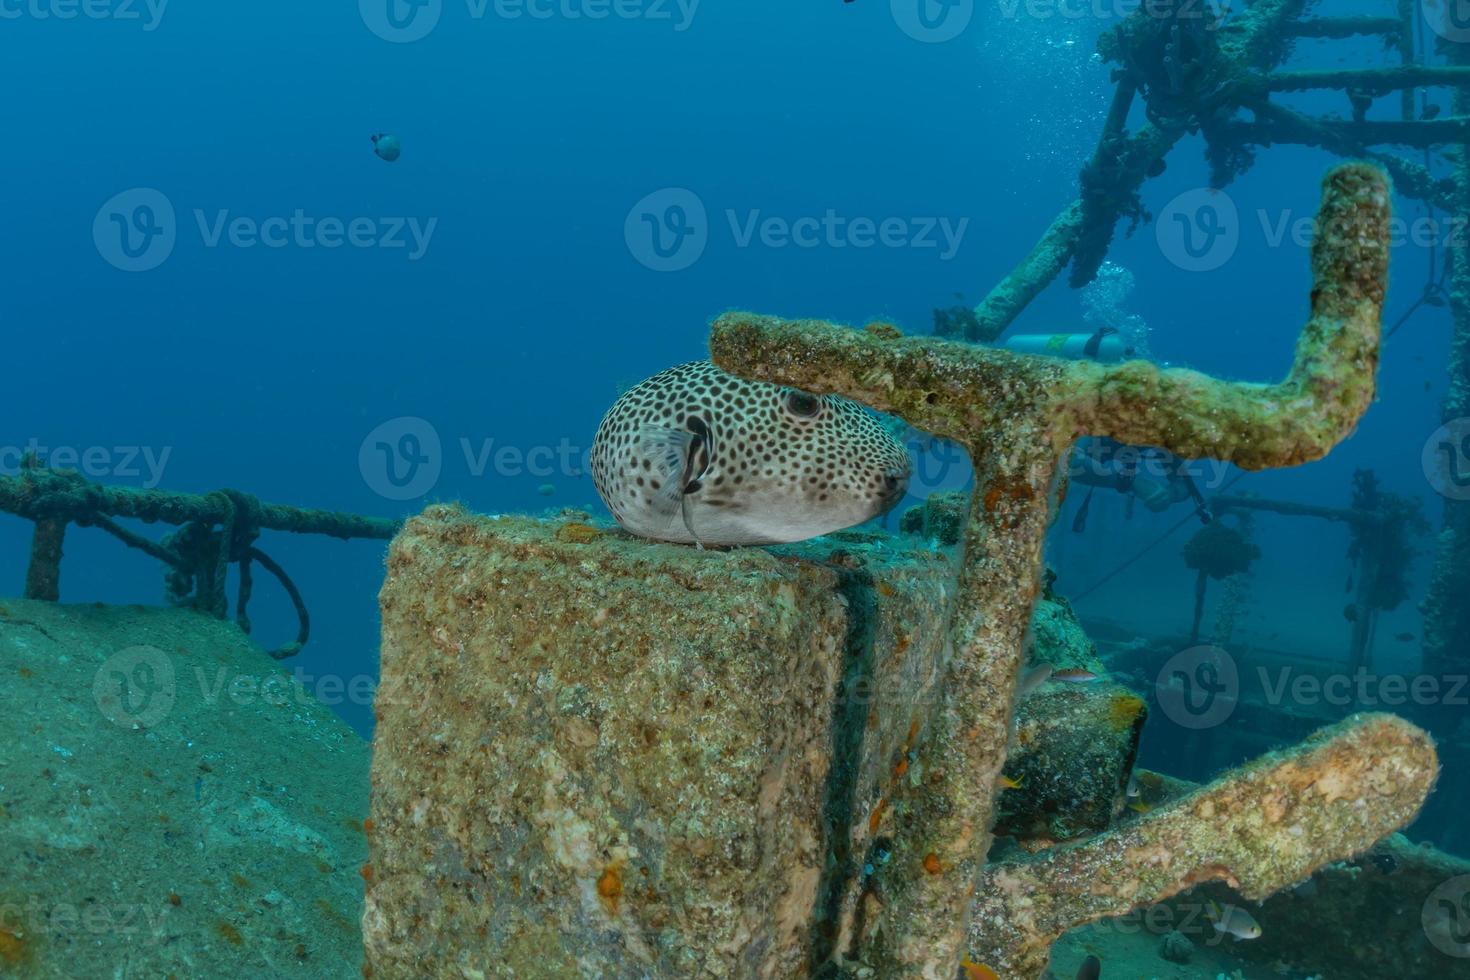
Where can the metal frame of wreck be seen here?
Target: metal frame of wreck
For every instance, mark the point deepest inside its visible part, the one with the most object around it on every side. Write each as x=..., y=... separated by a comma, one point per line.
x=1196, y=76
x=215, y=530
x=1018, y=416
x=1365, y=568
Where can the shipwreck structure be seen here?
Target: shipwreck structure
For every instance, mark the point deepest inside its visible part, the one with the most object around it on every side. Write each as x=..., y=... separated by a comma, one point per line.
x=1198, y=74
x=627, y=759
x=212, y=532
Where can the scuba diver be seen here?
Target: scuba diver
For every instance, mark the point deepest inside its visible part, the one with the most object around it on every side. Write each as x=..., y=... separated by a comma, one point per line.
x=1111, y=465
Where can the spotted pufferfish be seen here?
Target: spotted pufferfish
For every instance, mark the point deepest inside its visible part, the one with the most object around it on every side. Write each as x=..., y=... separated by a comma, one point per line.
x=698, y=456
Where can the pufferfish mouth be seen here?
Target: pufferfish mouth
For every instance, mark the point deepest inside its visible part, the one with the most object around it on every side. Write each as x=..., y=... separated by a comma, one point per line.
x=893, y=488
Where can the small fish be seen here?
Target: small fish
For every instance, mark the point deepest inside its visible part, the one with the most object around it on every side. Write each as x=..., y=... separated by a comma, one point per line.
x=1138, y=806
x=1306, y=890
x=1090, y=969
x=976, y=971
x=1006, y=782
x=1075, y=675
x=386, y=146
x=1404, y=637
x=698, y=456
x=1033, y=678
x=1232, y=920
x=1385, y=863
x=1431, y=111
x=1132, y=790
x=546, y=489
x=1350, y=613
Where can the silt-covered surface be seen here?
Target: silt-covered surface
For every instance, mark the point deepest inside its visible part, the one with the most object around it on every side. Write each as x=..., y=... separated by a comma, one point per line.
x=171, y=803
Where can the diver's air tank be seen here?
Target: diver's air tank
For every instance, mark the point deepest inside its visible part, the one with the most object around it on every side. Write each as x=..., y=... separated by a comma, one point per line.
x=1103, y=345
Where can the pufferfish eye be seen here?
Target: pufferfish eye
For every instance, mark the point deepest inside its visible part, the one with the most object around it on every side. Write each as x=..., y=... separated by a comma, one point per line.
x=802, y=404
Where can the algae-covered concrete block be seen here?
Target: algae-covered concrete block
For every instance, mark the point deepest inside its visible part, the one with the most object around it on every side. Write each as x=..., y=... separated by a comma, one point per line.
x=1074, y=743
x=1075, y=747
x=602, y=757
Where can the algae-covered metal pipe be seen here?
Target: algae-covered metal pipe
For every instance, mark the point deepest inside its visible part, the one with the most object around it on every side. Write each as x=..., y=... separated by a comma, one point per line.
x=1259, y=829
x=1018, y=416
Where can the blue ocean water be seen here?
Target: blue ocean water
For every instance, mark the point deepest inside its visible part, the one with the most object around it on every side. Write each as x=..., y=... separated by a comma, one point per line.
x=529, y=255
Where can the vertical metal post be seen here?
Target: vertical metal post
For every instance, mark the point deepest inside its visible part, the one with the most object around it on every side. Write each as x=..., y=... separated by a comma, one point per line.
x=1408, y=10
x=1446, y=613
x=43, y=577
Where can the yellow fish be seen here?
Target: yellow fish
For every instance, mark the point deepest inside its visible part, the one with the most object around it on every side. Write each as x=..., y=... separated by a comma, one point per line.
x=977, y=971
x=1006, y=782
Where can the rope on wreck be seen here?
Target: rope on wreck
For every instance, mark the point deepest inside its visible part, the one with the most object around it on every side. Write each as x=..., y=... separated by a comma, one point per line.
x=213, y=531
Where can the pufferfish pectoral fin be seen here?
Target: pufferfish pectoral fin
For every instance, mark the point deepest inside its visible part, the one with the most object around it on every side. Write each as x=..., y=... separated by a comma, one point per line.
x=669, y=453
x=679, y=460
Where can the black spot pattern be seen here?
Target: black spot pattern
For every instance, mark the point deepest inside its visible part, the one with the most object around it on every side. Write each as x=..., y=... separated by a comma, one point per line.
x=772, y=448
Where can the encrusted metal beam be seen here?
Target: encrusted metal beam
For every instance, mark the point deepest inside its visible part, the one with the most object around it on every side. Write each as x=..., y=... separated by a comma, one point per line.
x=1018, y=416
